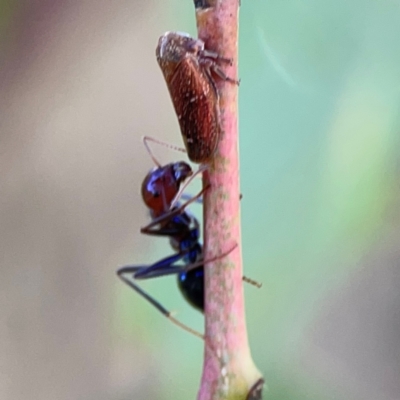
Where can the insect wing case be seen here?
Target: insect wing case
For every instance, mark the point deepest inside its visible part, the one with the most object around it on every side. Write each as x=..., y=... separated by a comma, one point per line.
x=192, y=91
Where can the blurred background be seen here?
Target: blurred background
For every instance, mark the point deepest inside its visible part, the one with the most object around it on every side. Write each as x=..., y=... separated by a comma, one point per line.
x=319, y=129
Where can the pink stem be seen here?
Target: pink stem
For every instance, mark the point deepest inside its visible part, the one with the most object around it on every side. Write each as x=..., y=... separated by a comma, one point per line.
x=229, y=371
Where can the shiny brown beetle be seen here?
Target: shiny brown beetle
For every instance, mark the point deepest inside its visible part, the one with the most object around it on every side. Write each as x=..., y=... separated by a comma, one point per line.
x=188, y=69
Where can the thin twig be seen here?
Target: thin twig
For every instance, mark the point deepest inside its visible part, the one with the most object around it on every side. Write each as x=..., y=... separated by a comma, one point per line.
x=229, y=371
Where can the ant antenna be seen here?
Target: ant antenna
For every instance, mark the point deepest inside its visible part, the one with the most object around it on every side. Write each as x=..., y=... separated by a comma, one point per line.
x=147, y=139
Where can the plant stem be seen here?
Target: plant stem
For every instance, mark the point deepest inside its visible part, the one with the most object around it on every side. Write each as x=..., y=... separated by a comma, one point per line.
x=229, y=371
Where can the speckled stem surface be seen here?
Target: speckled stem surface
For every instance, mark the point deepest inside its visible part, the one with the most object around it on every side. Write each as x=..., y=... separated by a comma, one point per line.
x=229, y=371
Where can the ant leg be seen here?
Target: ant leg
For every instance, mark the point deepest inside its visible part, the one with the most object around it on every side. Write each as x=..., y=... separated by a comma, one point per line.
x=204, y=262
x=161, y=268
x=160, y=308
x=201, y=169
x=172, y=213
x=147, y=139
x=164, y=267
x=251, y=282
x=160, y=231
x=186, y=196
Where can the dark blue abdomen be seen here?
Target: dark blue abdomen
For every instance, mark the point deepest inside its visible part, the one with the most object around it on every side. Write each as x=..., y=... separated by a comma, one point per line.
x=191, y=285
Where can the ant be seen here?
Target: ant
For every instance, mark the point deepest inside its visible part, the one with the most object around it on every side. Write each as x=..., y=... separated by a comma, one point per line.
x=161, y=191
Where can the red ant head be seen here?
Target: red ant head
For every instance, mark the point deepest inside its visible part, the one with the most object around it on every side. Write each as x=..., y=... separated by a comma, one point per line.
x=162, y=184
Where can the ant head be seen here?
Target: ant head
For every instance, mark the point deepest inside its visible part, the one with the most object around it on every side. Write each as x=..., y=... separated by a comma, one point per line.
x=161, y=185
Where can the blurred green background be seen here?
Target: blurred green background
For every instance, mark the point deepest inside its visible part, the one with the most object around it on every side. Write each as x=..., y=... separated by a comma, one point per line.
x=319, y=128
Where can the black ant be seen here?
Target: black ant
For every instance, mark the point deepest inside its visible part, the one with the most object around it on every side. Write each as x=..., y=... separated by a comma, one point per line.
x=161, y=190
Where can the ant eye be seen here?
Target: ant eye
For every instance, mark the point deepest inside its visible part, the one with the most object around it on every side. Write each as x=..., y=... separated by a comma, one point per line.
x=156, y=194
